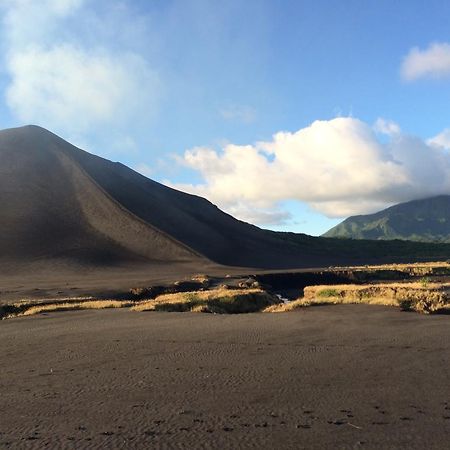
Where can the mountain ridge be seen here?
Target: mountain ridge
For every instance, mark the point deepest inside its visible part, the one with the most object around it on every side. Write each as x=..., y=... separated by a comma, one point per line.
x=422, y=220
x=64, y=206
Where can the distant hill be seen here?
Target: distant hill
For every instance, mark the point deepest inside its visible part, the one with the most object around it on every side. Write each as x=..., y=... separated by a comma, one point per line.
x=426, y=220
x=64, y=208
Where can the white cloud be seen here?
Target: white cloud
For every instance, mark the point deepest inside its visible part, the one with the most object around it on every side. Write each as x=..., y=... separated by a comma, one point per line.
x=339, y=167
x=387, y=127
x=28, y=22
x=61, y=82
x=433, y=62
x=441, y=140
x=240, y=113
x=66, y=87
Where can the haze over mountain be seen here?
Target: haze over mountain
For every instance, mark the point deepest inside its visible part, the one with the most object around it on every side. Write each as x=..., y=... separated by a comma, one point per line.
x=426, y=220
x=61, y=206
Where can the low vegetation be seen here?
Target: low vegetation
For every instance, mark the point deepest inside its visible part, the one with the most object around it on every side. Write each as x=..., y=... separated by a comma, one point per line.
x=392, y=272
x=367, y=251
x=424, y=297
x=327, y=293
x=93, y=304
x=197, y=294
x=27, y=309
x=220, y=301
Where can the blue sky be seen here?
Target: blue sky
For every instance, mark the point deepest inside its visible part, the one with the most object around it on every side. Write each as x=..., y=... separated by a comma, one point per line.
x=288, y=114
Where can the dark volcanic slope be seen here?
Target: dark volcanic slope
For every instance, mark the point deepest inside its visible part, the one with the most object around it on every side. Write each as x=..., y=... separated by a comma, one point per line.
x=425, y=220
x=192, y=219
x=61, y=204
x=60, y=200
x=52, y=210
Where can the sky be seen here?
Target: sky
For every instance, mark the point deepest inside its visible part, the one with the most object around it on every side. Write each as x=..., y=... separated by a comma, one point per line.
x=288, y=114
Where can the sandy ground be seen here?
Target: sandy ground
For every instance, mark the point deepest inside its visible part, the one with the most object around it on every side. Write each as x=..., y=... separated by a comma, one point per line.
x=46, y=284
x=43, y=283
x=348, y=377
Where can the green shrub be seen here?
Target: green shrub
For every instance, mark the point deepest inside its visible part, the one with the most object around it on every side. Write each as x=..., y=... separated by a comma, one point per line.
x=325, y=293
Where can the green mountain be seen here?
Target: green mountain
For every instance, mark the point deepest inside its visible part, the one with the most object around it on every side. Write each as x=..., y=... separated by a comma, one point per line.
x=426, y=220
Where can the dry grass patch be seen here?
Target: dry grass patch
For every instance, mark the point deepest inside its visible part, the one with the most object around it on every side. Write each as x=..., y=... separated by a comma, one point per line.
x=220, y=301
x=285, y=307
x=93, y=304
x=401, y=266
x=27, y=309
x=420, y=297
x=201, y=278
x=303, y=302
x=390, y=270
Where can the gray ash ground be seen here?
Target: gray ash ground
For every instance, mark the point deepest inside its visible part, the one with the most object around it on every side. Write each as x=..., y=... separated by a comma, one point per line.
x=350, y=376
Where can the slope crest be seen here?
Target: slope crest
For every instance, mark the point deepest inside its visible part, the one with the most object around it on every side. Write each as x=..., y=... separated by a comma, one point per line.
x=52, y=208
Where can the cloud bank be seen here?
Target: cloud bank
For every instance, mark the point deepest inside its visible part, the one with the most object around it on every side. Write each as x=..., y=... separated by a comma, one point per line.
x=441, y=140
x=339, y=167
x=387, y=127
x=60, y=79
x=433, y=62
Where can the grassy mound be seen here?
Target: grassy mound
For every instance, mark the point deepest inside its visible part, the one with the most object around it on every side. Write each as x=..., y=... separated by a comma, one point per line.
x=220, y=301
x=422, y=297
